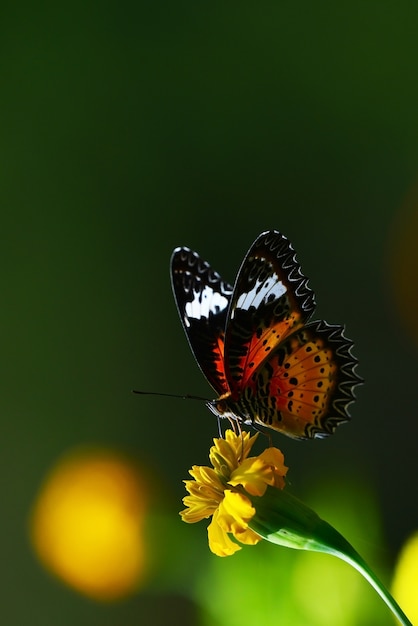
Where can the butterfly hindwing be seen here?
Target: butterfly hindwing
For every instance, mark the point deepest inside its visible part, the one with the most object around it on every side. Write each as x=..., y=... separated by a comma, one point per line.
x=202, y=299
x=305, y=386
x=271, y=299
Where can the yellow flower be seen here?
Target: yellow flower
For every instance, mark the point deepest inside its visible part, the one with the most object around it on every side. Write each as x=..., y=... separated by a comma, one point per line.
x=225, y=491
x=245, y=497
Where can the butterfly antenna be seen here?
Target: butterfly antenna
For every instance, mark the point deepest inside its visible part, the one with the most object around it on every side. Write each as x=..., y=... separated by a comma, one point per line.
x=186, y=396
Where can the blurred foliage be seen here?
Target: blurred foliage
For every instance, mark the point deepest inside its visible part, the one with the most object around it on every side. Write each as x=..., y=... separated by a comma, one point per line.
x=270, y=585
x=130, y=129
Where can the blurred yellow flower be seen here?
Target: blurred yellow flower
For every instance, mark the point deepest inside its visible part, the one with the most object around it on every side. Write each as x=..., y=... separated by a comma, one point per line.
x=223, y=491
x=405, y=582
x=87, y=524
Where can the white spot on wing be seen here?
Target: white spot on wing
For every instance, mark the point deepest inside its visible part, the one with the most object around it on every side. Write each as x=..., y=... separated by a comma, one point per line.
x=259, y=294
x=202, y=305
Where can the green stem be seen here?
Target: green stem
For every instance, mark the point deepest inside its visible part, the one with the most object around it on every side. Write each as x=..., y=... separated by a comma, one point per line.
x=351, y=556
x=283, y=519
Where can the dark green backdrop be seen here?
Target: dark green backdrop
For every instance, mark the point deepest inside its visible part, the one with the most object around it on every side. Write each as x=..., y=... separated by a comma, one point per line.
x=128, y=129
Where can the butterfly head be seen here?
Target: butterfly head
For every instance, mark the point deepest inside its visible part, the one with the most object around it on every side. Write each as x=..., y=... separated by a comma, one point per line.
x=225, y=407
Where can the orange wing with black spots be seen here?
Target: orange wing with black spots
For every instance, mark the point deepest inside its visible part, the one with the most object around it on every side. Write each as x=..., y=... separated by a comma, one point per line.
x=304, y=387
x=268, y=364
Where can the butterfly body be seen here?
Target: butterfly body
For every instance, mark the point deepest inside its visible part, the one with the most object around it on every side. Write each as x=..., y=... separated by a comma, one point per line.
x=267, y=363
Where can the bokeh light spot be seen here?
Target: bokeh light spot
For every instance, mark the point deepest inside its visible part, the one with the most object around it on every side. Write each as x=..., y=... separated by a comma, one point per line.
x=405, y=581
x=403, y=264
x=87, y=524
x=343, y=597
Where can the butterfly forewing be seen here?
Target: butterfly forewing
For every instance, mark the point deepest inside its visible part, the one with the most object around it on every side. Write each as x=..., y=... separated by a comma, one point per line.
x=305, y=386
x=271, y=299
x=202, y=299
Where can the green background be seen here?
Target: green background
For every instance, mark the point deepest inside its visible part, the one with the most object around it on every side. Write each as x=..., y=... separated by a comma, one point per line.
x=128, y=129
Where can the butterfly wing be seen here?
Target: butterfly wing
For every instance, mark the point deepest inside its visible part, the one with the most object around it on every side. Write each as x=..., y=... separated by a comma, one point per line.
x=271, y=299
x=305, y=386
x=202, y=299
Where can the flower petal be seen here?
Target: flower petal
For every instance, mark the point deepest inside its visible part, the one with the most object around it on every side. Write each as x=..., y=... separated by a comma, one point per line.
x=206, y=492
x=219, y=542
x=249, y=537
x=235, y=511
x=254, y=474
x=275, y=458
x=242, y=443
x=205, y=476
x=197, y=509
x=203, y=492
x=226, y=454
x=223, y=457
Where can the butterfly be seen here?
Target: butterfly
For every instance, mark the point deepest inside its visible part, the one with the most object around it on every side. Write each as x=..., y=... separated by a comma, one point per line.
x=268, y=364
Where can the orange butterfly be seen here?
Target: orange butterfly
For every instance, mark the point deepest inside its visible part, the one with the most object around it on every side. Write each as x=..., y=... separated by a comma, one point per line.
x=266, y=362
